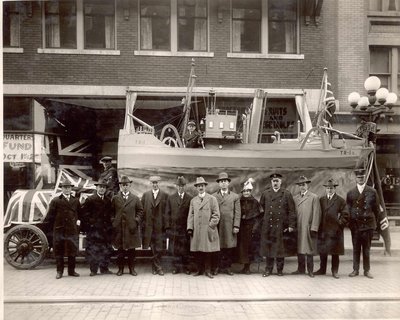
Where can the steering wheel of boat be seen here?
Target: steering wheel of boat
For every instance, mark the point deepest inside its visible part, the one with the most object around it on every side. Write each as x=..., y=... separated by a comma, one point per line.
x=170, y=141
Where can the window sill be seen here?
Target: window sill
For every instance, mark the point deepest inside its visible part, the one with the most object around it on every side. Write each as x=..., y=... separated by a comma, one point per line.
x=173, y=54
x=80, y=51
x=13, y=50
x=265, y=56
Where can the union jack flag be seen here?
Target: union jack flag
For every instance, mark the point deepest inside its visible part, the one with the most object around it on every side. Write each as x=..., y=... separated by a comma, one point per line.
x=30, y=206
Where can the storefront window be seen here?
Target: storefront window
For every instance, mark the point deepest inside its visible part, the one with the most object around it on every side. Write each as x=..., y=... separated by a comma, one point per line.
x=17, y=114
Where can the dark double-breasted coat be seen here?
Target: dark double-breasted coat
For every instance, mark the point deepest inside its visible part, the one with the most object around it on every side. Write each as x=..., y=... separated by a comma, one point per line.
x=126, y=218
x=308, y=219
x=203, y=219
x=154, y=219
x=334, y=217
x=177, y=211
x=62, y=217
x=230, y=216
x=279, y=215
x=364, y=209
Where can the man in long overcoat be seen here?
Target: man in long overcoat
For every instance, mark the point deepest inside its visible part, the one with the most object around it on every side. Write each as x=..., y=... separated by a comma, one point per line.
x=202, y=227
x=334, y=217
x=278, y=225
x=127, y=214
x=363, y=204
x=110, y=175
x=154, y=204
x=308, y=220
x=229, y=223
x=177, y=211
x=96, y=223
x=63, y=217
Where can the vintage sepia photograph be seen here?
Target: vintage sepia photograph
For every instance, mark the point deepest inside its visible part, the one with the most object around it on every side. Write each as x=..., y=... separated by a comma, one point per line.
x=200, y=159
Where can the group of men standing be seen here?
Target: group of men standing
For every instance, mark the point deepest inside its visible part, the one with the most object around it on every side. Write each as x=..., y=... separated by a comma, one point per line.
x=217, y=229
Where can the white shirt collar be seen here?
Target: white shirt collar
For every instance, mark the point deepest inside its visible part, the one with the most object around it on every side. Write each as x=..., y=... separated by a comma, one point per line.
x=202, y=195
x=361, y=187
x=276, y=190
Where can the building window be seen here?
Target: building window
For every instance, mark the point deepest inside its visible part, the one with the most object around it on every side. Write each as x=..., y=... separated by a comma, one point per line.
x=79, y=24
x=385, y=64
x=174, y=25
x=265, y=26
x=99, y=24
x=11, y=24
x=384, y=5
x=192, y=25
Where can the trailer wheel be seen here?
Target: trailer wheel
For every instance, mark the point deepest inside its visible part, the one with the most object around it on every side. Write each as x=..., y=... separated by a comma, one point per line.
x=25, y=246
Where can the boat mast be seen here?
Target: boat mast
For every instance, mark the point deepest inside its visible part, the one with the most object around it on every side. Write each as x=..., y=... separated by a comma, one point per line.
x=188, y=98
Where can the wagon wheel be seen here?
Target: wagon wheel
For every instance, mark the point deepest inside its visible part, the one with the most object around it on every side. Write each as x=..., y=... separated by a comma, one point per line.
x=25, y=246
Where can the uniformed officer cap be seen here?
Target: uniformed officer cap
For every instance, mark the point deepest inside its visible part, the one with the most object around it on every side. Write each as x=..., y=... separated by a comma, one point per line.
x=191, y=123
x=275, y=175
x=106, y=159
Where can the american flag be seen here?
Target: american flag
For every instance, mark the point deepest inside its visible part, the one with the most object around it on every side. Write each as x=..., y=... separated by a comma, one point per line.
x=30, y=206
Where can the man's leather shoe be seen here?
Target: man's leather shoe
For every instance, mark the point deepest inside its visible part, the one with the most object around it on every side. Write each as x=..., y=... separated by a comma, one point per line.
x=311, y=274
x=353, y=274
x=266, y=273
x=209, y=275
x=120, y=272
x=319, y=272
x=297, y=272
x=92, y=274
x=368, y=275
x=214, y=272
x=229, y=272
x=160, y=272
x=74, y=274
x=280, y=273
x=187, y=272
x=59, y=275
x=335, y=275
x=175, y=271
x=133, y=272
x=106, y=271
x=197, y=273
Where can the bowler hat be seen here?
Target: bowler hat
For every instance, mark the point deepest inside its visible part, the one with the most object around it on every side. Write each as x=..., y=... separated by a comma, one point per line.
x=223, y=176
x=124, y=179
x=360, y=172
x=101, y=182
x=200, y=180
x=181, y=181
x=303, y=179
x=65, y=183
x=275, y=175
x=106, y=159
x=191, y=123
x=330, y=183
x=155, y=178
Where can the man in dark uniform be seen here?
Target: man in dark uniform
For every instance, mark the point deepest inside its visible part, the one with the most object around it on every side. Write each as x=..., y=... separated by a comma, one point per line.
x=177, y=213
x=192, y=138
x=110, y=175
x=277, y=226
x=363, y=204
x=334, y=217
x=62, y=217
x=96, y=222
x=127, y=214
x=154, y=223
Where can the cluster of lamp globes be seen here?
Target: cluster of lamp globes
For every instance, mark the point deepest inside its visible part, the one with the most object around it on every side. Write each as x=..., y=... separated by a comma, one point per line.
x=385, y=98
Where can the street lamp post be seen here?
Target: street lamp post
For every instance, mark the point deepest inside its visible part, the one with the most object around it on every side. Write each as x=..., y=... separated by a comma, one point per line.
x=369, y=109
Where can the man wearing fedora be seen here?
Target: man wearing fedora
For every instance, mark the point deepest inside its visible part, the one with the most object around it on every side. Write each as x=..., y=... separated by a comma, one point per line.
x=334, y=217
x=363, y=204
x=278, y=224
x=229, y=223
x=177, y=211
x=154, y=225
x=202, y=227
x=192, y=138
x=127, y=214
x=110, y=175
x=308, y=220
x=63, y=217
x=96, y=223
